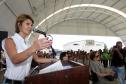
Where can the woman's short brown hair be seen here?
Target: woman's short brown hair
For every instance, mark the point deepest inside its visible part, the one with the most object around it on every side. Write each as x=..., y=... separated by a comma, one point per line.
x=92, y=55
x=20, y=19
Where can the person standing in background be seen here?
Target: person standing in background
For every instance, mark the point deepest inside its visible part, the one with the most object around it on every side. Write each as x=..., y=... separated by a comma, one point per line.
x=117, y=62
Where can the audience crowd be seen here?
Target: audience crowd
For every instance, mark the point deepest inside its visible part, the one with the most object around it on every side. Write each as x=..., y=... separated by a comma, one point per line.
x=105, y=65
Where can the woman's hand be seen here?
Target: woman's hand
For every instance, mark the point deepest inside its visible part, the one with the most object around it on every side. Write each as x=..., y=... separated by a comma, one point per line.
x=41, y=43
x=112, y=73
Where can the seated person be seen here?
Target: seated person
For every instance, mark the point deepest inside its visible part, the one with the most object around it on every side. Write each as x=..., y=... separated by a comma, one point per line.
x=64, y=56
x=99, y=70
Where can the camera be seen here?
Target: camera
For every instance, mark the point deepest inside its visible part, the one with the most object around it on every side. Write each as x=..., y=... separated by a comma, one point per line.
x=115, y=46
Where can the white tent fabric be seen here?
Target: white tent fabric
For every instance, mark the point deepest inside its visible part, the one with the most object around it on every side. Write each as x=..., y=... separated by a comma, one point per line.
x=51, y=19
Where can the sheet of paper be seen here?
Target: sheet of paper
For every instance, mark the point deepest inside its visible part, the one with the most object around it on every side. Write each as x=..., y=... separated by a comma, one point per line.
x=54, y=67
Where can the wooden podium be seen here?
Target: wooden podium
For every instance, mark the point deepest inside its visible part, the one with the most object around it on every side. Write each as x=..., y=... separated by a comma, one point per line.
x=77, y=74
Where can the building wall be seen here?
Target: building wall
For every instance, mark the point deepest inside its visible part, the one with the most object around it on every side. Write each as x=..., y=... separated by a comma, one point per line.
x=83, y=45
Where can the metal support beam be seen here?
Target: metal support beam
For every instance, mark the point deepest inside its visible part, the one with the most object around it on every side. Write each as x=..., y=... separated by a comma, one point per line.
x=115, y=24
x=1, y=2
x=31, y=7
x=121, y=29
x=5, y=3
x=66, y=14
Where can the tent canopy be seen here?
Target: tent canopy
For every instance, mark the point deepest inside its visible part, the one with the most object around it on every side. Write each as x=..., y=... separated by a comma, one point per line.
x=49, y=13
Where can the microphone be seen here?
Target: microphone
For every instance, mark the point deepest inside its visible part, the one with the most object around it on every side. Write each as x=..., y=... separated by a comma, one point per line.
x=38, y=31
x=44, y=33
